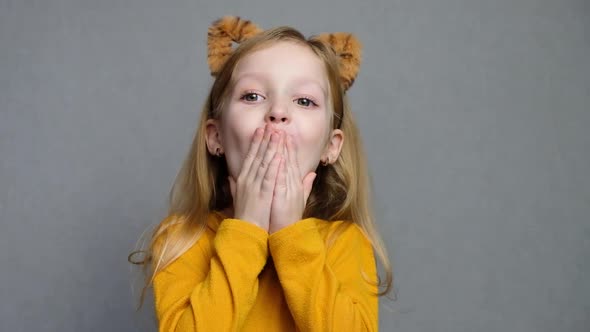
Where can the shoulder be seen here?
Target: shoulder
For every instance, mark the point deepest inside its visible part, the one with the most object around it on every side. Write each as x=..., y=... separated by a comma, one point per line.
x=348, y=249
x=341, y=231
x=181, y=224
x=179, y=237
x=344, y=237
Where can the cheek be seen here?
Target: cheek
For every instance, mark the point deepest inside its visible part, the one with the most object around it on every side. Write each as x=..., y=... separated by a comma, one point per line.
x=310, y=140
x=236, y=138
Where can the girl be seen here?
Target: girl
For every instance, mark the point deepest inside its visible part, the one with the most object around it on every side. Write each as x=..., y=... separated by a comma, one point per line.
x=270, y=227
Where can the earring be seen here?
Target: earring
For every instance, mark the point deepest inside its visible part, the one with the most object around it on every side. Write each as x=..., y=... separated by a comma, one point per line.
x=218, y=152
x=326, y=161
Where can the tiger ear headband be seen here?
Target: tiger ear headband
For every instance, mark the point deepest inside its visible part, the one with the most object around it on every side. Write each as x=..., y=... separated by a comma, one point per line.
x=234, y=29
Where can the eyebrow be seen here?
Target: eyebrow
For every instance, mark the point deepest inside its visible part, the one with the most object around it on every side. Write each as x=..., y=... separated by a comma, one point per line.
x=307, y=81
x=254, y=75
x=298, y=81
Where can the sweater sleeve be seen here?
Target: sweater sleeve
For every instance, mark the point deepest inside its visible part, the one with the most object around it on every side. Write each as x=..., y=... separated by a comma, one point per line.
x=213, y=289
x=325, y=289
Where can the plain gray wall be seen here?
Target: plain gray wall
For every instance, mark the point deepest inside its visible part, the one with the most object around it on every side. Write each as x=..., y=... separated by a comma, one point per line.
x=475, y=116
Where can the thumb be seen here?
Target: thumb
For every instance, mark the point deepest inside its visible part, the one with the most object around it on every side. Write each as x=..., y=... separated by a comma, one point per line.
x=232, y=187
x=307, y=185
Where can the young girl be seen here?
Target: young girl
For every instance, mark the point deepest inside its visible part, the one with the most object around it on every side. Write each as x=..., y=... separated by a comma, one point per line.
x=270, y=227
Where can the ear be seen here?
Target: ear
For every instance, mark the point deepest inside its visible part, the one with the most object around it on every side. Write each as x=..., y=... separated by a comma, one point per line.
x=334, y=146
x=220, y=36
x=348, y=49
x=213, y=137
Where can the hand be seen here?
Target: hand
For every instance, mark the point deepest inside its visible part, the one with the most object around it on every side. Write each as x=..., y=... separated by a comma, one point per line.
x=290, y=192
x=252, y=193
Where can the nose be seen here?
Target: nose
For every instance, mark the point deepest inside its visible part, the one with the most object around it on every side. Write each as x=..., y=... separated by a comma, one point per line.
x=278, y=114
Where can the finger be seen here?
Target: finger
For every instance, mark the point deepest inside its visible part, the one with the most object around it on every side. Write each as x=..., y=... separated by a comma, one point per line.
x=268, y=157
x=292, y=149
x=261, y=151
x=281, y=174
x=285, y=152
x=271, y=176
x=308, y=185
x=281, y=183
x=292, y=179
x=253, y=149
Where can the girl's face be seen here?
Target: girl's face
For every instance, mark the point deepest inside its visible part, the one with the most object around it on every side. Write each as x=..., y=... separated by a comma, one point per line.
x=286, y=86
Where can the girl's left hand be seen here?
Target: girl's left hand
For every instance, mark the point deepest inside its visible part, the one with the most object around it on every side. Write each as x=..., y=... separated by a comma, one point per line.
x=291, y=192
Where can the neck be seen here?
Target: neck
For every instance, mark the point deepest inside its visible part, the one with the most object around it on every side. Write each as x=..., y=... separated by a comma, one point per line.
x=228, y=211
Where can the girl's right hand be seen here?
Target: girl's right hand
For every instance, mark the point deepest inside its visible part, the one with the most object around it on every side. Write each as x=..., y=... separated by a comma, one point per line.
x=252, y=193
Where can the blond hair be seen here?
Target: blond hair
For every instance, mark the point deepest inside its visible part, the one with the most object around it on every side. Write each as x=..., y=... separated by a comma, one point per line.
x=341, y=190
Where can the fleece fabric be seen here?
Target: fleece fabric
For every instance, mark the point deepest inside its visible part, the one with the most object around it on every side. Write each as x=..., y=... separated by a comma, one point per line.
x=237, y=277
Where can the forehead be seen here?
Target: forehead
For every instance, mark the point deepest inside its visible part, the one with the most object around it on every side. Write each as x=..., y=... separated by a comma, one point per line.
x=285, y=60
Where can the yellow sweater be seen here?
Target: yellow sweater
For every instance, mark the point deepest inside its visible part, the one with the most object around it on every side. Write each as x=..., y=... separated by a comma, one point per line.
x=238, y=278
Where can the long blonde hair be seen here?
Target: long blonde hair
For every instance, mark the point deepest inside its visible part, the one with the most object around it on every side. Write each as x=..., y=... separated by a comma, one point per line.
x=341, y=191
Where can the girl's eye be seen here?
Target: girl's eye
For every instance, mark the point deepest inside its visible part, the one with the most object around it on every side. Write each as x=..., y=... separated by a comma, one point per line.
x=251, y=97
x=305, y=102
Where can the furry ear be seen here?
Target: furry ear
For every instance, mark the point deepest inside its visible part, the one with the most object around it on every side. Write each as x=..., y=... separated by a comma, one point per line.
x=220, y=36
x=348, y=49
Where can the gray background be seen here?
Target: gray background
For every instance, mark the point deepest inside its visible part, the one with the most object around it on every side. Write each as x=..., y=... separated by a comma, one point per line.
x=475, y=115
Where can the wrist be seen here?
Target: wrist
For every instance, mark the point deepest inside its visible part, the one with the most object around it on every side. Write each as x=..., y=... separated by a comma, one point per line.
x=252, y=221
x=277, y=226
